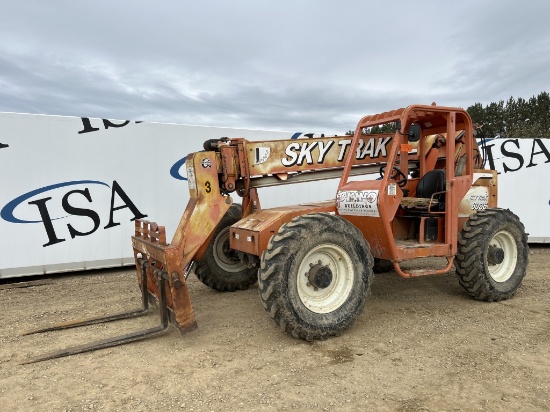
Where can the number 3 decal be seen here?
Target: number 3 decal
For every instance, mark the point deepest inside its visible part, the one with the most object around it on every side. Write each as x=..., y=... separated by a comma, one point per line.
x=208, y=188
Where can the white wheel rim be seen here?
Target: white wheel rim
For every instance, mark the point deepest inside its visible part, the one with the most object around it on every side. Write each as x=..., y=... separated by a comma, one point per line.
x=334, y=295
x=501, y=272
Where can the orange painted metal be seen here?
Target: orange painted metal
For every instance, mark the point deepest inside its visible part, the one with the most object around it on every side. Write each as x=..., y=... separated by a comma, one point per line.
x=252, y=234
x=424, y=272
x=206, y=207
x=281, y=157
x=378, y=228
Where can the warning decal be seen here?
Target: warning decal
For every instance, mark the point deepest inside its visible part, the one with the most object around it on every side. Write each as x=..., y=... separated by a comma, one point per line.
x=191, y=178
x=261, y=155
x=358, y=203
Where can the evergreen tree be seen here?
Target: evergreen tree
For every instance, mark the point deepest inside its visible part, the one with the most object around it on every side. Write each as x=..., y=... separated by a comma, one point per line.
x=516, y=118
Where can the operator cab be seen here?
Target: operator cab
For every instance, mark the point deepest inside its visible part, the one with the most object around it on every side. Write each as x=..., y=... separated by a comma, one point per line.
x=428, y=171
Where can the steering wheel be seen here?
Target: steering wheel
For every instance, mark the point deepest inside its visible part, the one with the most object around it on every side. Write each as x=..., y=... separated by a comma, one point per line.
x=395, y=173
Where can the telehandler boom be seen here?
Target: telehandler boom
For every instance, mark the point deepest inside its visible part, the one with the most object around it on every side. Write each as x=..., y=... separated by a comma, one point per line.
x=419, y=191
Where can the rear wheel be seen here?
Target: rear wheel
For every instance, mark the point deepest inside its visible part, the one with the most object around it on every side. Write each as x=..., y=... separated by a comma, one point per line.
x=220, y=268
x=492, y=255
x=314, y=276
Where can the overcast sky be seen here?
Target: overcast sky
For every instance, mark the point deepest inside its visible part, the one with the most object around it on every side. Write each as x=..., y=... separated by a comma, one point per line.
x=310, y=65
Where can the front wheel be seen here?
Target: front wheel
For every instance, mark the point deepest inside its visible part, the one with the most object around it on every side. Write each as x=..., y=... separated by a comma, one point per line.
x=492, y=255
x=220, y=268
x=314, y=275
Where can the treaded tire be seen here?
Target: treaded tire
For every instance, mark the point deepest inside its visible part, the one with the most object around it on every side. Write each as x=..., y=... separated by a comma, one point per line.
x=287, y=276
x=492, y=255
x=220, y=267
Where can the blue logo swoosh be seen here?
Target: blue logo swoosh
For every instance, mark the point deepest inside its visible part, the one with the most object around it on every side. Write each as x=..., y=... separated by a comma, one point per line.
x=8, y=209
x=175, y=169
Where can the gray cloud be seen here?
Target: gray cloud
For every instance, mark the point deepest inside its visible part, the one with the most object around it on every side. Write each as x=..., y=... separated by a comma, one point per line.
x=307, y=65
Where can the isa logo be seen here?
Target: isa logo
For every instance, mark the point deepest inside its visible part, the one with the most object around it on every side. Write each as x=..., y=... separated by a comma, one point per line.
x=73, y=202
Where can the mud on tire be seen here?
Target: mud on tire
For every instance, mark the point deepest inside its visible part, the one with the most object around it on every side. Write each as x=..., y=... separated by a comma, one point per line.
x=315, y=275
x=492, y=255
x=220, y=268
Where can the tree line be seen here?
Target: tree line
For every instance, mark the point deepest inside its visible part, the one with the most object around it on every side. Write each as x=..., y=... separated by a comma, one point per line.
x=515, y=118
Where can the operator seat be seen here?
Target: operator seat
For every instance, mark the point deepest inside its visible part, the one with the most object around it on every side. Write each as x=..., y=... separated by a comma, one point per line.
x=430, y=184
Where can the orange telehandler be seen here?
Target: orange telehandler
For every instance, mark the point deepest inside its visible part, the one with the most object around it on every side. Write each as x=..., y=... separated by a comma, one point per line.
x=419, y=191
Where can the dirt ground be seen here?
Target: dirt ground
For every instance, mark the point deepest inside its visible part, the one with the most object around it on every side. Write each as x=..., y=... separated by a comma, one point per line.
x=420, y=345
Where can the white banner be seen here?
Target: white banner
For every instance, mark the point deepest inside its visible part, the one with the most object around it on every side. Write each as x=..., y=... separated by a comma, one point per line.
x=523, y=167
x=71, y=187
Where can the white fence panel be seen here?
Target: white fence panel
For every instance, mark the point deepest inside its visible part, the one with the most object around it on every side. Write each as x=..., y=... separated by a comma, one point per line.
x=70, y=187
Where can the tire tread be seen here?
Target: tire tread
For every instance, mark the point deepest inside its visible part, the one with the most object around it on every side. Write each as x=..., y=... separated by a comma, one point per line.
x=273, y=284
x=470, y=261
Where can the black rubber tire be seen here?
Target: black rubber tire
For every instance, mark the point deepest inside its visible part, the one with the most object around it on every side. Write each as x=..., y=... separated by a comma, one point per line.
x=382, y=265
x=338, y=245
x=482, y=232
x=220, y=268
